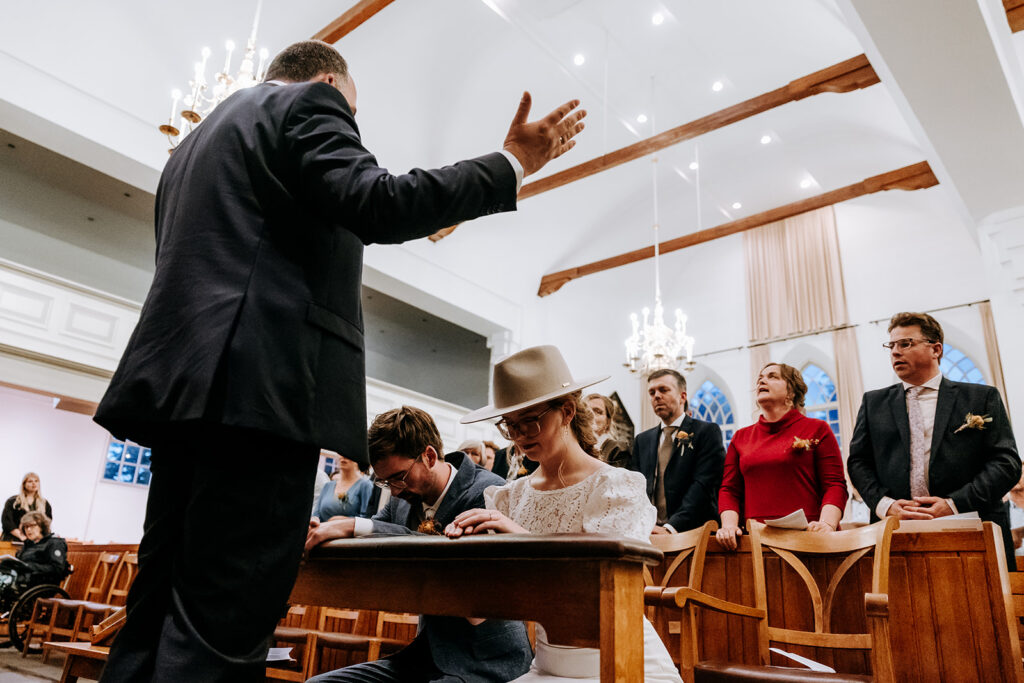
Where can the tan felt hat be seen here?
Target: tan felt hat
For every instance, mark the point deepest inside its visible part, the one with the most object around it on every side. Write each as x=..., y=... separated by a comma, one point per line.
x=526, y=378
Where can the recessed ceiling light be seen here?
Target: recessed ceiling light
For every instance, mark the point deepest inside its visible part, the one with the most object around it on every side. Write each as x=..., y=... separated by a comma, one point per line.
x=641, y=118
x=737, y=205
x=694, y=165
x=806, y=182
x=717, y=86
x=578, y=60
x=657, y=18
x=766, y=139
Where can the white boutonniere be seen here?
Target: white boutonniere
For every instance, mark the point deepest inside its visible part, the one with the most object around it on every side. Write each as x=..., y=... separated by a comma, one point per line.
x=682, y=439
x=804, y=444
x=972, y=421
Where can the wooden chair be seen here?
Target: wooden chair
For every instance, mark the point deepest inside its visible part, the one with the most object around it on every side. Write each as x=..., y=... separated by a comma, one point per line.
x=787, y=546
x=1017, y=591
x=389, y=640
x=59, y=618
x=391, y=632
x=663, y=611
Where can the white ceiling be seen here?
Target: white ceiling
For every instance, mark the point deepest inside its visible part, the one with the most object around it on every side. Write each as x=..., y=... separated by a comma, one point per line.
x=438, y=80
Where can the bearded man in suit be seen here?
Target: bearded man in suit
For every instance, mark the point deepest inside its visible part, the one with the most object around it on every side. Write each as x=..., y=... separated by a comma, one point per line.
x=428, y=492
x=928, y=447
x=683, y=459
x=251, y=341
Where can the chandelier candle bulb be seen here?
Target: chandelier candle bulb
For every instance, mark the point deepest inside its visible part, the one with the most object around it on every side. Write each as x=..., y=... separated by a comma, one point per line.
x=230, y=47
x=261, y=71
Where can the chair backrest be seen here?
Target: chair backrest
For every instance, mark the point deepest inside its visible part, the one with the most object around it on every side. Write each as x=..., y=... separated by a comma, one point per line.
x=1017, y=591
x=337, y=620
x=101, y=577
x=122, y=580
x=403, y=625
x=678, y=549
x=790, y=546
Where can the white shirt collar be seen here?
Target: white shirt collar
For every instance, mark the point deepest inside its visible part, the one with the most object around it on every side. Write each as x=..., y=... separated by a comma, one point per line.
x=933, y=383
x=678, y=423
x=430, y=510
x=275, y=82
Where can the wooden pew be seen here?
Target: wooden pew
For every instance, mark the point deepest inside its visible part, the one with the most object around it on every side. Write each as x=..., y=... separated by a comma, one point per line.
x=586, y=589
x=951, y=610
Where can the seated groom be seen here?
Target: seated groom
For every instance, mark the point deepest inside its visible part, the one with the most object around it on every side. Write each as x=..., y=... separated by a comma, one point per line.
x=928, y=447
x=428, y=491
x=683, y=459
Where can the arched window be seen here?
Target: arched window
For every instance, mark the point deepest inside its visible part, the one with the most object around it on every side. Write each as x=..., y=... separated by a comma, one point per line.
x=957, y=366
x=822, y=402
x=710, y=404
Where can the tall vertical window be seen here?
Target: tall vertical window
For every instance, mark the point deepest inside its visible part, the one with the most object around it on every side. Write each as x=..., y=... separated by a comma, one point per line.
x=710, y=404
x=127, y=463
x=822, y=402
x=958, y=366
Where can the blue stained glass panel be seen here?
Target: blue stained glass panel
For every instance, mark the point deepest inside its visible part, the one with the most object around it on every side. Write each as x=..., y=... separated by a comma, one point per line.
x=127, y=473
x=958, y=366
x=131, y=454
x=144, y=475
x=110, y=471
x=710, y=404
x=114, y=451
x=144, y=457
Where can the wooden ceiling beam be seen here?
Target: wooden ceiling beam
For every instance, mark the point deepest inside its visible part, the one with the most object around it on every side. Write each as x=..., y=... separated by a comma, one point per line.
x=1014, y=14
x=852, y=74
x=915, y=177
x=350, y=20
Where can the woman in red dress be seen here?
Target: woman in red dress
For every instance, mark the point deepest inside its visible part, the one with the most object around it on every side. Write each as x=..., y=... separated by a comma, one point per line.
x=784, y=462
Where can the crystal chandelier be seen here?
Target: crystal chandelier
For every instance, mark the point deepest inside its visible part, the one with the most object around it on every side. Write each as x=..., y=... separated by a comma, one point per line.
x=200, y=99
x=655, y=345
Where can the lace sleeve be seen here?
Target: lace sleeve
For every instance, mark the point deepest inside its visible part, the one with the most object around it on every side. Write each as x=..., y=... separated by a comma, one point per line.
x=619, y=505
x=496, y=498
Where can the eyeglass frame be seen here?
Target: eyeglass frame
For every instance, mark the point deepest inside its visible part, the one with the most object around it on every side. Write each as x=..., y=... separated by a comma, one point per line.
x=911, y=342
x=503, y=426
x=400, y=478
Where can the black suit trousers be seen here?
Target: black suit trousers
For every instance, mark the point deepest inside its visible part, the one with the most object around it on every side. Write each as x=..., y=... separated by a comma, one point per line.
x=225, y=525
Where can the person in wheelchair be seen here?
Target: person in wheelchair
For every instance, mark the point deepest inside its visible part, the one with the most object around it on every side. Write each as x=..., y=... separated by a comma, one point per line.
x=42, y=559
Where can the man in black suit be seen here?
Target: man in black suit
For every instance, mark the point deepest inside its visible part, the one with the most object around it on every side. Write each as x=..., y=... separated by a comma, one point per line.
x=683, y=459
x=251, y=342
x=428, y=493
x=917, y=452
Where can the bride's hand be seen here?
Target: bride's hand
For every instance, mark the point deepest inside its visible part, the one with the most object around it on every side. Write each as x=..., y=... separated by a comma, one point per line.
x=478, y=521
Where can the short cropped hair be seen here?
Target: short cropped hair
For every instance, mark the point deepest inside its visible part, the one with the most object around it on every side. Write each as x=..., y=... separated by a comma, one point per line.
x=305, y=60
x=794, y=381
x=405, y=431
x=930, y=327
x=668, y=372
x=39, y=518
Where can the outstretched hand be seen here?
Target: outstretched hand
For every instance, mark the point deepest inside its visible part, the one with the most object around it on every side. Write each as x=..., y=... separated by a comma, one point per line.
x=479, y=521
x=535, y=144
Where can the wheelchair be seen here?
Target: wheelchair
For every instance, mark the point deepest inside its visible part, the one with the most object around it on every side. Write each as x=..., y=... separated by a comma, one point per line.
x=18, y=595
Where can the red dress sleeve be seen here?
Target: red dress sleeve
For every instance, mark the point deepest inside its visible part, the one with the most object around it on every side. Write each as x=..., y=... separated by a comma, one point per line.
x=731, y=493
x=828, y=463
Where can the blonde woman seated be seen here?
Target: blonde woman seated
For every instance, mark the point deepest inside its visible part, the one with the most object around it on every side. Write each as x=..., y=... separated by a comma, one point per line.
x=784, y=462
x=609, y=449
x=571, y=491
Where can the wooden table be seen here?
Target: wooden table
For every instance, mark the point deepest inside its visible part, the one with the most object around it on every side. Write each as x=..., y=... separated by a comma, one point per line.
x=585, y=589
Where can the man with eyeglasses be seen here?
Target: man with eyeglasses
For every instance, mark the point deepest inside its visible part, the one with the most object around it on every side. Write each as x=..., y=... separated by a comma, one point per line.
x=929, y=447
x=428, y=490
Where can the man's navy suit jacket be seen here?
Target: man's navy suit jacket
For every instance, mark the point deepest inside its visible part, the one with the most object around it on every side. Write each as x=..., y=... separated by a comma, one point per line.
x=253, y=319
x=693, y=475
x=496, y=650
x=974, y=467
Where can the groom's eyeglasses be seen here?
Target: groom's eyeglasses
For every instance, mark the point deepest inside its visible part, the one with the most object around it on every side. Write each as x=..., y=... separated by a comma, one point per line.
x=397, y=481
x=904, y=344
x=526, y=428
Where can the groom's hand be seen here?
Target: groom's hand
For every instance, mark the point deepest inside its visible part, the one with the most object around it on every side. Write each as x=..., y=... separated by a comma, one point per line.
x=336, y=527
x=535, y=144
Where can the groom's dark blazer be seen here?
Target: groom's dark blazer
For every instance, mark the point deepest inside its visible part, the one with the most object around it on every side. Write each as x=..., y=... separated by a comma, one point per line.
x=693, y=475
x=253, y=318
x=973, y=467
x=496, y=650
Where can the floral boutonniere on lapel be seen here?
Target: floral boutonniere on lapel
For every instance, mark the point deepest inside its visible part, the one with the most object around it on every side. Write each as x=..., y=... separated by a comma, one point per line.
x=429, y=526
x=972, y=421
x=681, y=440
x=804, y=444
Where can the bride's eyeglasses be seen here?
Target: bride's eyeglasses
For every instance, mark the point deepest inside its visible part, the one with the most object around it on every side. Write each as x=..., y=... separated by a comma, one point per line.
x=526, y=428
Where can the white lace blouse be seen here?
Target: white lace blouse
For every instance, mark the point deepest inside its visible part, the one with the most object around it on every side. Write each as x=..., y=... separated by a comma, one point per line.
x=609, y=501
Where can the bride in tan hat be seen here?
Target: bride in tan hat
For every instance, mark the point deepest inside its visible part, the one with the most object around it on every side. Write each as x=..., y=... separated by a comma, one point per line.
x=571, y=491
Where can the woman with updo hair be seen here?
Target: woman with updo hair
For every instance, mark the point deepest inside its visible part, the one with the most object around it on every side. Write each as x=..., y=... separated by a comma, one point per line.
x=571, y=492
x=784, y=462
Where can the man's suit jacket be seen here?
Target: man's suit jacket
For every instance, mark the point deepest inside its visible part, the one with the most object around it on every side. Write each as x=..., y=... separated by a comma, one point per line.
x=692, y=477
x=973, y=467
x=253, y=318
x=496, y=650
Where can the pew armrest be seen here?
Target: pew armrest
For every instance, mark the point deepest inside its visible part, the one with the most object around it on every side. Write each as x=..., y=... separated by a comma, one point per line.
x=680, y=596
x=876, y=608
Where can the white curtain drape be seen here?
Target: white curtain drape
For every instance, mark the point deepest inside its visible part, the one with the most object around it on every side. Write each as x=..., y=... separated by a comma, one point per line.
x=849, y=384
x=794, y=276
x=995, y=362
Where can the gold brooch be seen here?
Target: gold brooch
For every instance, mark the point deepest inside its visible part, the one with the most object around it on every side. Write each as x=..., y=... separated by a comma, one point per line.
x=804, y=444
